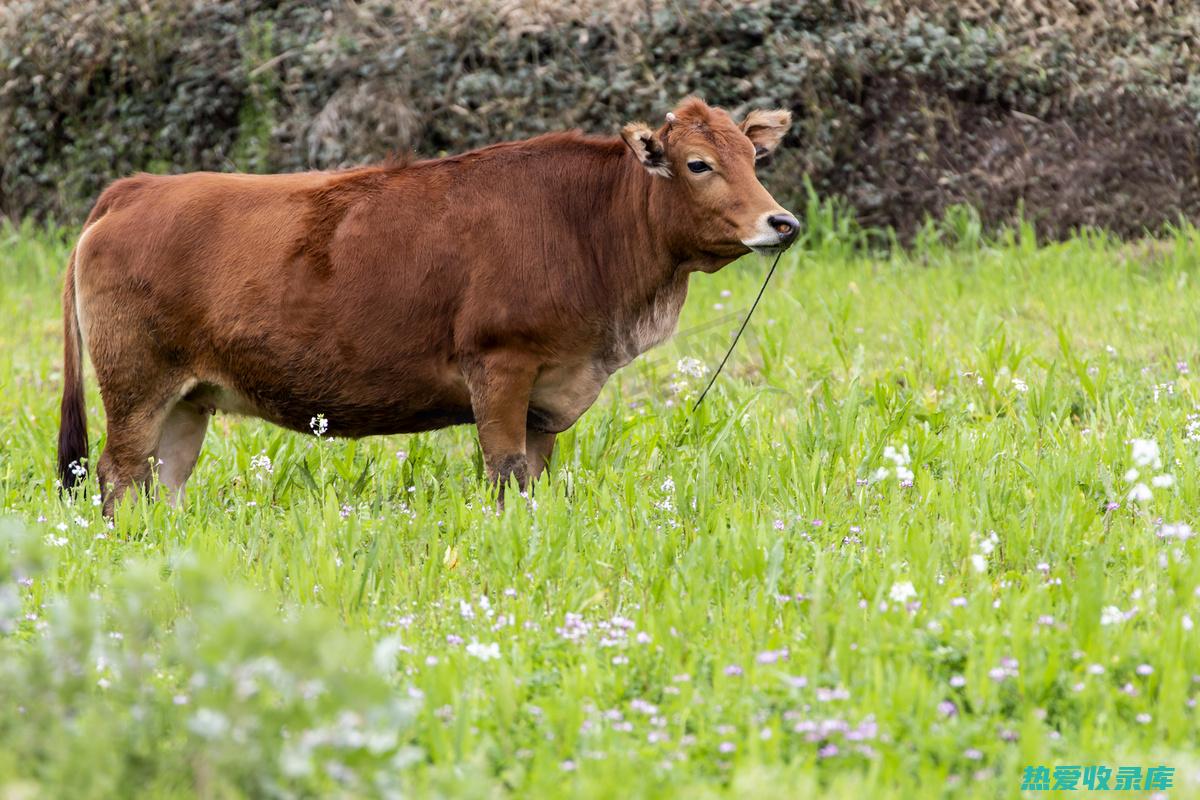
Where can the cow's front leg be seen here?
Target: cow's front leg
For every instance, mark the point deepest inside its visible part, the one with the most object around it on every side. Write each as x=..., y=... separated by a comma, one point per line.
x=500, y=386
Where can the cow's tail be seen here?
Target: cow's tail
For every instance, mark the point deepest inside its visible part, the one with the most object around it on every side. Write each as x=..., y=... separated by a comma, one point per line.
x=72, y=426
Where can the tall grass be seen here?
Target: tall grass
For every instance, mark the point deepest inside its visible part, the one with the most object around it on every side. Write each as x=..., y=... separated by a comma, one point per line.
x=893, y=555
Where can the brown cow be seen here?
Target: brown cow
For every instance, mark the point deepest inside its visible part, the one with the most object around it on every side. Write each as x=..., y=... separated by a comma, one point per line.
x=502, y=287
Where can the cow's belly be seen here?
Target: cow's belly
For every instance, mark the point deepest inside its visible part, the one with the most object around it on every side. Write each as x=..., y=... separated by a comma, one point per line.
x=562, y=393
x=351, y=404
x=559, y=397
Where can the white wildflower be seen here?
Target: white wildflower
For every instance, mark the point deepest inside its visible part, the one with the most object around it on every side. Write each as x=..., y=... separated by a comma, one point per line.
x=1145, y=453
x=262, y=464
x=1140, y=493
x=1192, y=428
x=208, y=724
x=900, y=459
x=484, y=652
x=386, y=652
x=692, y=367
x=1111, y=615
x=1179, y=530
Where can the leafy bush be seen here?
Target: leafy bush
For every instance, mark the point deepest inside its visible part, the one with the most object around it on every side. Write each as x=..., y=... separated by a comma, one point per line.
x=1083, y=112
x=169, y=673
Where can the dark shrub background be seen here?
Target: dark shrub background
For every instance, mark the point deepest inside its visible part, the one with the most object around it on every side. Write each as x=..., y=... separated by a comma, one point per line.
x=1071, y=112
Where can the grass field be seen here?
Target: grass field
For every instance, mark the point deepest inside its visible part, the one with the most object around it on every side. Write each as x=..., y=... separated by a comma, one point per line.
x=895, y=554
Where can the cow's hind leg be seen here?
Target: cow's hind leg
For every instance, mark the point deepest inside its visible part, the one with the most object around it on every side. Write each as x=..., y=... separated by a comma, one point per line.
x=538, y=448
x=179, y=446
x=135, y=428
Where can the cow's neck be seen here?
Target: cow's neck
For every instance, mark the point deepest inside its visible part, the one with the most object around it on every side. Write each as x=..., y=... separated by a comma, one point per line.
x=633, y=248
x=648, y=274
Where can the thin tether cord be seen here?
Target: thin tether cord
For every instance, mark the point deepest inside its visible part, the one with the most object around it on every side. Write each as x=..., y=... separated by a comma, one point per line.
x=745, y=322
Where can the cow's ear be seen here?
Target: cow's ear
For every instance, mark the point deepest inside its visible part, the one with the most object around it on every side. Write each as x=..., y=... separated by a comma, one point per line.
x=766, y=129
x=647, y=148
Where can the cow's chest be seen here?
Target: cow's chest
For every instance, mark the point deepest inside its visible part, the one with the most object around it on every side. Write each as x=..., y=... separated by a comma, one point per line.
x=649, y=326
x=564, y=391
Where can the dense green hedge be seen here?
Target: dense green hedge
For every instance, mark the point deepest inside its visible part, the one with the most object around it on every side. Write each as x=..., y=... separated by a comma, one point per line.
x=1085, y=112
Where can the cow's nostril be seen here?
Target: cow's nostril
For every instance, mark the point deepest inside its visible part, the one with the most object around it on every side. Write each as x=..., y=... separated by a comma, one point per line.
x=785, y=225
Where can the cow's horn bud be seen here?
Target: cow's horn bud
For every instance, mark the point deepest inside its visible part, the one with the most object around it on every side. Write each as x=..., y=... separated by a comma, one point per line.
x=670, y=117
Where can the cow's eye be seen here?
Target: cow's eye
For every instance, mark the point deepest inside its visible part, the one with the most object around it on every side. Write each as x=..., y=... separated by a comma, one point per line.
x=699, y=166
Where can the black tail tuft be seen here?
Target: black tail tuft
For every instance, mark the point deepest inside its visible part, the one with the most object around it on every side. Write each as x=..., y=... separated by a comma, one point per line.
x=72, y=428
x=72, y=440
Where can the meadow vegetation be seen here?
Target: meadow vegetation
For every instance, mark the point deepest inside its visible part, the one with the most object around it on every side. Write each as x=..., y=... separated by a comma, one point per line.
x=931, y=526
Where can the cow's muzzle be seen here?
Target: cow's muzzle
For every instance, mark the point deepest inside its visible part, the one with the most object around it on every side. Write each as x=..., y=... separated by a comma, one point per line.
x=786, y=226
x=776, y=232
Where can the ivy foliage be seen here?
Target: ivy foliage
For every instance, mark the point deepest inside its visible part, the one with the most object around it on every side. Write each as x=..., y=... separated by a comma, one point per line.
x=1072, y=112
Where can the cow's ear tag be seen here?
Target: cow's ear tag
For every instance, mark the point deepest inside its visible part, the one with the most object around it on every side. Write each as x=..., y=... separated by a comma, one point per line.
x=647, y=148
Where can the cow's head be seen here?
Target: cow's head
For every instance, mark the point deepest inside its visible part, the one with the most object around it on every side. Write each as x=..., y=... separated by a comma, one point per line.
x=705, y=189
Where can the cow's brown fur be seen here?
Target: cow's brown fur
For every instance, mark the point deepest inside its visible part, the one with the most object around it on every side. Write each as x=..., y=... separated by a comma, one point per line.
x=501, y=287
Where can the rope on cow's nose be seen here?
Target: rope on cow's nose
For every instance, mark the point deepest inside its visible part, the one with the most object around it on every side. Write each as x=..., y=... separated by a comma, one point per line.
x=745, y=322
